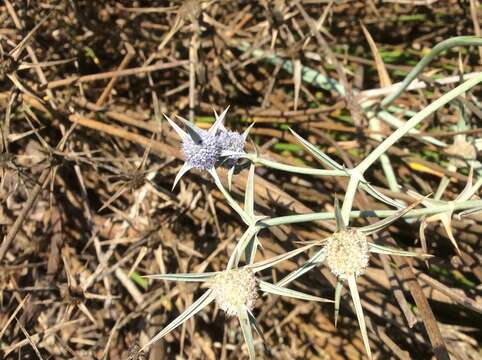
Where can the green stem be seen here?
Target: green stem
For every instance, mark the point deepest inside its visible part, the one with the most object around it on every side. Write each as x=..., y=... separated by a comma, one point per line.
x=301, y=218
x=295, y=169
x=415, y=120
x=349, y=198
x=444, y=45
x=233, y=203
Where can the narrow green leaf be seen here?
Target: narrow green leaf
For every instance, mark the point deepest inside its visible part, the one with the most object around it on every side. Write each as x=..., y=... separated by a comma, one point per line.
x=338, y=290
x=379, y=196
x=192, y=310
x=385, y=250
x=188, y=277
x=251, y=248
x=249, y=194
x=359, y=313
x=274, y=260
x=442, y=46
x=139, y=280
x=373, y=228
x=340, y=224
x=325, y=159
x=240, y=246
x=247, y=333
x=234, y=205
x=415, y=120
x=315, y=260
x=282, y=291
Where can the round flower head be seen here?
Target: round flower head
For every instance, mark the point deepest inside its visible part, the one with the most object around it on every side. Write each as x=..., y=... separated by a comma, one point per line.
x=235, y=289
x=347, y=253
x=202, y=153
x=233, y=142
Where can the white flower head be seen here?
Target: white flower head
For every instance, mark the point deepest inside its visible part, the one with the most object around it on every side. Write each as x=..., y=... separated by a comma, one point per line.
x=347, y=253
x=235, y=289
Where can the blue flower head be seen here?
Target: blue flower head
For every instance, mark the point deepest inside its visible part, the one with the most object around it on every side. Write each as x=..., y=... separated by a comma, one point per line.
x=204, y=153
x=231, y=143
x=206, y=149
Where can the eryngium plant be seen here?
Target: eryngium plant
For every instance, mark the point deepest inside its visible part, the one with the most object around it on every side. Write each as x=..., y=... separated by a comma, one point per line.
x=347, y=251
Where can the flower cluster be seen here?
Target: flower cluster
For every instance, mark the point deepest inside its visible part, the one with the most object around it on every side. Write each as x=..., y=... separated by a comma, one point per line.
x=207, y=149
x=202, y=153
x=234, y=289
x=347, y=253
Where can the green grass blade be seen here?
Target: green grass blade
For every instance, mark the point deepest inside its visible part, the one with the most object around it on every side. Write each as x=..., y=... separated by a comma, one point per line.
x=139, y=280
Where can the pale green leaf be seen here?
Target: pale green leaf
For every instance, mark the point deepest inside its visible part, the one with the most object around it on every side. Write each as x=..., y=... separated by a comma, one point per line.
x=274, y=260
x=282, y=291
x=325, y=159
x=315, y=260
x=187, y=277
x=372, y=228
x=182, y=134
x=379, y=196
x=338, y=290
x=247, y=333
x=340, y=224
x=249, y=193
x=386, y=250
x=192, y=310
x=359, y=313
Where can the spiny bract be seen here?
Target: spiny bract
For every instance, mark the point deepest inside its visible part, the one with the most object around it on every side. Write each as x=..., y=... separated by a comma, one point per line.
x=347, y=253
x=234, y=289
